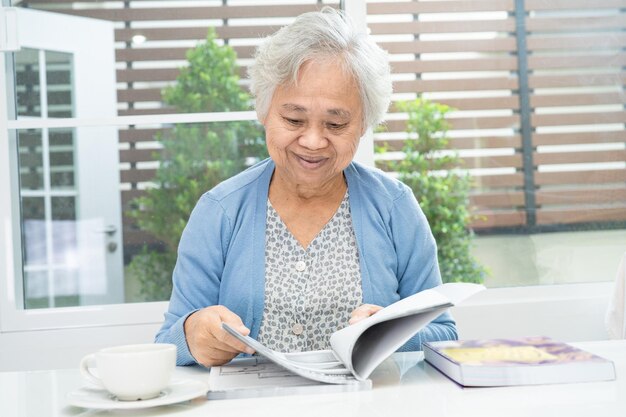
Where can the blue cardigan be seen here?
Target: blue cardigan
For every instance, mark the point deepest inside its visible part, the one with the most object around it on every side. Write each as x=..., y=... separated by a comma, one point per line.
x=221, y=255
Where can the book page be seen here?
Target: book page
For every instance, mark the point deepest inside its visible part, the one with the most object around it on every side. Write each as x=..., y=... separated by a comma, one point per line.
x=320, y=371
x=253, y=372
x=457, y=292
x=364, y=345
x=318, y=359
x=257, y=376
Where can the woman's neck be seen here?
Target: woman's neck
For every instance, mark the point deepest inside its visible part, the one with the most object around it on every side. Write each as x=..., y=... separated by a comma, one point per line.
x=285, y=192
x=306, y=211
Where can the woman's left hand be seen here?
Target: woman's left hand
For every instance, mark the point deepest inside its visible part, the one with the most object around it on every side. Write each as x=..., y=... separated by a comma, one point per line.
x=363, y=312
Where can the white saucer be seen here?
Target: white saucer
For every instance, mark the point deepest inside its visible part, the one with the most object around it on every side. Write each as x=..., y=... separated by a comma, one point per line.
x=176, y=392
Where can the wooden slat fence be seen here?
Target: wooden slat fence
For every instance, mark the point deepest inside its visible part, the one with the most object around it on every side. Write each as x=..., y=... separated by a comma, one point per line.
x=472, y=66
x=576, y=60
x=567, y=164
x=539, y=119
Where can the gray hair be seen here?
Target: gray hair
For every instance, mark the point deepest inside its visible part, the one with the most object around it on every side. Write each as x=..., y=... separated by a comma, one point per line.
x=322, y=35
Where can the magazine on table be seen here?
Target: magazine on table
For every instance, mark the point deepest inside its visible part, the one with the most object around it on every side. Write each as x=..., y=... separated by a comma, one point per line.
x=358, y=349
x=256, y=376
x=524, y=361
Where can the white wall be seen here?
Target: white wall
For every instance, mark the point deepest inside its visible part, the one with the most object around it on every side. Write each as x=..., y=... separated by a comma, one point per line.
x=63, y=348
x=569, y=313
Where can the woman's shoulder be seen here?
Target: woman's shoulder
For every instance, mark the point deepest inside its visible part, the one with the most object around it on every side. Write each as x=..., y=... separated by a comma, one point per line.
x=374, y=182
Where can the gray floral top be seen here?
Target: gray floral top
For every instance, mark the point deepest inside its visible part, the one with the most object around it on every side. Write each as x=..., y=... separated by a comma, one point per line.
x=309, y=293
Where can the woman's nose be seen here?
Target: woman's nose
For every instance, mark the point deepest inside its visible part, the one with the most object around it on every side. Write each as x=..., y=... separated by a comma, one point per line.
x=313, y=138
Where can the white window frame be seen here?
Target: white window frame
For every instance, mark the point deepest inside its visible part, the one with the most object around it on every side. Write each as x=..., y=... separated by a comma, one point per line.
x=14, y=319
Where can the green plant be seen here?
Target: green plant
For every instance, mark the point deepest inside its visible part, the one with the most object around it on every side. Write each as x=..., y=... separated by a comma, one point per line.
x=193, y=159
x=430, y=169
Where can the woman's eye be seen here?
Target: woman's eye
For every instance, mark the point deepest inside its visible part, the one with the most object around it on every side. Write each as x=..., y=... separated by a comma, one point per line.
x=293, y=122
x=336, y=126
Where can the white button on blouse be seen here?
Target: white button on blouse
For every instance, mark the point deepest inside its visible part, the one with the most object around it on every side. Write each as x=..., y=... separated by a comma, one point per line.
x=297, y=329
x=300, y=266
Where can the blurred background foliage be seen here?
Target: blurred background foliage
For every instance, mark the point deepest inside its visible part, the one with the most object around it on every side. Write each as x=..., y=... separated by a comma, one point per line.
x=432, y=171
x=194, y=158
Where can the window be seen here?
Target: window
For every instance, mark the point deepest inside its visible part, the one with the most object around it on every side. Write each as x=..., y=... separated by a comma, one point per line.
x=90, y=136
x=538, y=120
x=49, y=195
x=538, y=116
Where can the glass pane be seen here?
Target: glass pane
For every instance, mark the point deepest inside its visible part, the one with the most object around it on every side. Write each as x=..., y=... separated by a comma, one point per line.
x=27, y=82
x=538, y=174
x=30, y=159
x=66, y=287
x=574, y=256
x=64, y=230
x=149, y=176
x=36, y=289
x=34, y=230
x=59, y=84
x=164, y=172
x=62, y=169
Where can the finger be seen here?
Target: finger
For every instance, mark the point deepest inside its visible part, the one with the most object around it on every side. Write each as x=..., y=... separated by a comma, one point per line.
x=213, y=352
x=233, y=320
x=224, y=340
x=365, y=307
x=229, y=343
x=356, y=319
x=216, y=357
x=363, y=312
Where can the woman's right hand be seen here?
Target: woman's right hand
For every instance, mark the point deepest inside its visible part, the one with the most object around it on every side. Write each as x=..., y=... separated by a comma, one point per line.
x=209, y=344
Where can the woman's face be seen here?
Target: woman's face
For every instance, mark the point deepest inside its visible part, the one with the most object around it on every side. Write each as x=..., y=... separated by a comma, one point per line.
x=313, y=128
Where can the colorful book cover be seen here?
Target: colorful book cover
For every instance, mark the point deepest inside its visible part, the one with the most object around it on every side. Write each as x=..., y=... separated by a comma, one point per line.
x=526, y=351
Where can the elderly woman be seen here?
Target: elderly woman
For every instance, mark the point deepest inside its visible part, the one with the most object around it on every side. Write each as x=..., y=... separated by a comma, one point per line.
x=307, y=241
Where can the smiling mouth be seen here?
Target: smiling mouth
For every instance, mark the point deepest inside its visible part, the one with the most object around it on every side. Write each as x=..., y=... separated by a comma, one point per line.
x=311, y=162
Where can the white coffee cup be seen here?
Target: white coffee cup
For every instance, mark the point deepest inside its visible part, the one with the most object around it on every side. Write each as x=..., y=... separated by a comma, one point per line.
x=131, y=372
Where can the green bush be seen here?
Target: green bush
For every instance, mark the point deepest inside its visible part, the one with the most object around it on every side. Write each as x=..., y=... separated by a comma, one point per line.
x=428, y=167
x=194, y=158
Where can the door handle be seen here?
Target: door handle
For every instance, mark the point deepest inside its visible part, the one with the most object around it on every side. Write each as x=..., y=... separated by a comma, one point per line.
x=109, y=230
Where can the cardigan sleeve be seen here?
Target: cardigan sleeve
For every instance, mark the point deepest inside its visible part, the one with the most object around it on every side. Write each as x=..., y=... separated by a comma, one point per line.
x=418, y=268
x=197, y=274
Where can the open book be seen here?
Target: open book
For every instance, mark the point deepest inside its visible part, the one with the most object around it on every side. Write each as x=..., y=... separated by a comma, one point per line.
x=358, y=349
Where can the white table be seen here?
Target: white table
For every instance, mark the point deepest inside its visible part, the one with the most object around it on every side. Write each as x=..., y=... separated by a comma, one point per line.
x=421, y=391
